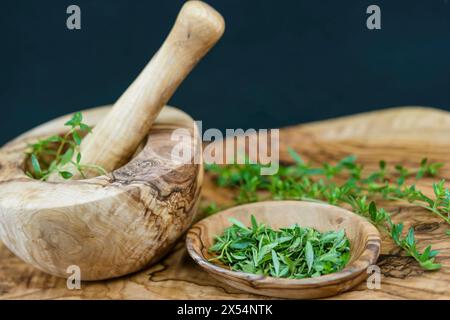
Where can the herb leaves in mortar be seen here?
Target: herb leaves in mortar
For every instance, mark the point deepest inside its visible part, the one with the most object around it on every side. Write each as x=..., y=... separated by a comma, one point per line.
x=51, y=154
x=293, y=252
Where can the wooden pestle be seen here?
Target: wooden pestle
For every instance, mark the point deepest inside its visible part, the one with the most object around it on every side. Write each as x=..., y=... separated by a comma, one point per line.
x=112, y=142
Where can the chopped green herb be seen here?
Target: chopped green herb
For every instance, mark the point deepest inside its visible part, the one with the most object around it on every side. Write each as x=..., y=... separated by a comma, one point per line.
x=292, y=252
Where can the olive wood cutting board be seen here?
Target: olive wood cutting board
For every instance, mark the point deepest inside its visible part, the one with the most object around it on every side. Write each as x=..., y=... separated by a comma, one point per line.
x=399, y=136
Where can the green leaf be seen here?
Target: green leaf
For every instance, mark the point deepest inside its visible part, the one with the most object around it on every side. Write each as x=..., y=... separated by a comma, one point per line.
x=350, y=160
x=85, y=127
x=237, y=223
x=430, y=265
x=426, y=254
x=65, y=174
x=433, y=253
x=309, y=254
x=67, y=157
x=53, y=139
x=295, y=156
x=254, y=224
x=218, y=246
x=238, y=256
x=264, y=251
x=396, y=232
x=76, y=137
x=410, y=237
x=276, y=263
x=75, y=120
x=328, y=237
x=297, y=242
x=329, y=256
x=36, y=166
x=340, y=235
x=240, y=244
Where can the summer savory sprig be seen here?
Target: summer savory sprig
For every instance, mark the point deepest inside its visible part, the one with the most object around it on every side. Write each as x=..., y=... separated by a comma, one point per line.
x=343, y=184
x=53, y=153
x=293, y=252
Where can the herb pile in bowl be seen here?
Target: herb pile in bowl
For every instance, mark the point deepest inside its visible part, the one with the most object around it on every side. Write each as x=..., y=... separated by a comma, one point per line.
x=292, y=252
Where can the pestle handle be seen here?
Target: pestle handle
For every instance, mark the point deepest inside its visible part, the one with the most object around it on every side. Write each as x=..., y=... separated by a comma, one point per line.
x=112, y=142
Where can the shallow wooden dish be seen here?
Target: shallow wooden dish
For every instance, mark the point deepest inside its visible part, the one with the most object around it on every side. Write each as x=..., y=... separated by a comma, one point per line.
x=110, y=225
x=364, y=240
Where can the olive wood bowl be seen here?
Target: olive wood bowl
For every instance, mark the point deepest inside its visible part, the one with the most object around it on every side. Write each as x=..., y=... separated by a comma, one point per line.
x=108, y=225
x=363, y=236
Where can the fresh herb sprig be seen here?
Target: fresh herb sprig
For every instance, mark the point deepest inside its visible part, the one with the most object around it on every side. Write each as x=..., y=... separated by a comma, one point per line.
x=293, y=252
x=324, y=184
x=52, y=154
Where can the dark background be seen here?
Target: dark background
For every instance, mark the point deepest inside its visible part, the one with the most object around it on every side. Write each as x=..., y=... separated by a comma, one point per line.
x=279, y=62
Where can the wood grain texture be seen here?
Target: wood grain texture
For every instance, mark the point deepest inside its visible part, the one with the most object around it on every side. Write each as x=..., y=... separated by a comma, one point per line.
x=109, y=225
x=363, y=236
x=400, y=135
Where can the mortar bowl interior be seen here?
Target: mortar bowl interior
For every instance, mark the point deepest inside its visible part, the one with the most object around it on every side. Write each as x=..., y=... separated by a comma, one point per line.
x=110, y=225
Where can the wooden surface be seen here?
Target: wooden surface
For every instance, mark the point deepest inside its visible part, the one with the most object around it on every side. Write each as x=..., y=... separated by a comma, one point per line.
x=363, y=236
x=398, y=136
x=109, y=225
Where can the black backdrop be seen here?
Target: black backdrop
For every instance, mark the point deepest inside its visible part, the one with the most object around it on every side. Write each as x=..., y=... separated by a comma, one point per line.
x=279, y=62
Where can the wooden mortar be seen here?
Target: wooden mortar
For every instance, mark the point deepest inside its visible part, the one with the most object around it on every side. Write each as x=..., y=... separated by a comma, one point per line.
x=120, y=222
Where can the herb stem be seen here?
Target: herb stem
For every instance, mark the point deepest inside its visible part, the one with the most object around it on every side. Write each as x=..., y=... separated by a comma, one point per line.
x=418, y=204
